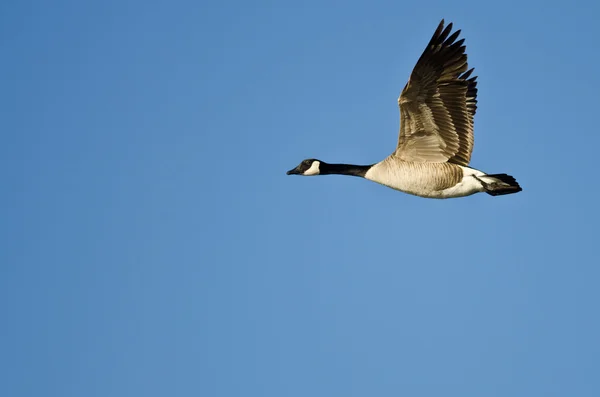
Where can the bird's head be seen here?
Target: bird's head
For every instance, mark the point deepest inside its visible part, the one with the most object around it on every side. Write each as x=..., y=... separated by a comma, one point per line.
x=307, y=167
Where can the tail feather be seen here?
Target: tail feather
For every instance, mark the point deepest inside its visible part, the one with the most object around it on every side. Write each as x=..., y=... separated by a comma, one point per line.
x=499, y=184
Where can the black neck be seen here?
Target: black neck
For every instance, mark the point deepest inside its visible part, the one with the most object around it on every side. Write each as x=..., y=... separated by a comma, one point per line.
x=344, y=169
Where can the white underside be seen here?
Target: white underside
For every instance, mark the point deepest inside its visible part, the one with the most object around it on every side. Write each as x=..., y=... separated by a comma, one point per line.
x=468, y=186
x=412, y=182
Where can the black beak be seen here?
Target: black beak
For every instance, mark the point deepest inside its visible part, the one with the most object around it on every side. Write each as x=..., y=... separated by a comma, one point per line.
x=293, y=172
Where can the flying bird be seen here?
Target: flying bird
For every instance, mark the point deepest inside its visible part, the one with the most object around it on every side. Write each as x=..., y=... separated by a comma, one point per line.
x=437, y=107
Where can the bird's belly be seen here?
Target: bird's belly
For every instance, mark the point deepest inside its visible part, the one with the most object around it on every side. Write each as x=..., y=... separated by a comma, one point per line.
x=432, y=180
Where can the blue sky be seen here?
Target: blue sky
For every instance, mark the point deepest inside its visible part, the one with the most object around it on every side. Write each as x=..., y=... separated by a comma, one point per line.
x=152, y=244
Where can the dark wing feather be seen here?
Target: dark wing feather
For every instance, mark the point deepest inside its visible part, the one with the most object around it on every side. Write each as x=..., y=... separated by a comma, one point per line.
x=438, y=103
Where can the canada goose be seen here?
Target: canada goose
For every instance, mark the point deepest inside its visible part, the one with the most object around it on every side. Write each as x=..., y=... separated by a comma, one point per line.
x=437, y=106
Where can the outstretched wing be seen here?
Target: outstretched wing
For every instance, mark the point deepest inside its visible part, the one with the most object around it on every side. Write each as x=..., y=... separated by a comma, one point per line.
x=438, y=103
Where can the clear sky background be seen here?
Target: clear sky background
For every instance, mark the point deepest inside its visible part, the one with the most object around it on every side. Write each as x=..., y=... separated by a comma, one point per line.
x=152, y=245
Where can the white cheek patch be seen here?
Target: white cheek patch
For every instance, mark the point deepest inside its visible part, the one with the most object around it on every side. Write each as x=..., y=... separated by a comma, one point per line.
x=313, y=170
